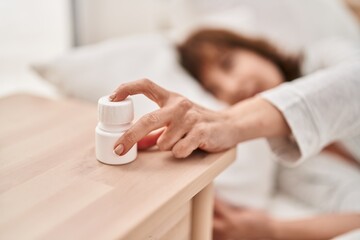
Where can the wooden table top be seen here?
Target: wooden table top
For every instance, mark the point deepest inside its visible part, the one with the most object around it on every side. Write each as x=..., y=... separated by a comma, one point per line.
x=52, y=186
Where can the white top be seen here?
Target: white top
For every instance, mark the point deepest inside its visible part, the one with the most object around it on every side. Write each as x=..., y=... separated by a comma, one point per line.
x=115, y=113
x=322, y=107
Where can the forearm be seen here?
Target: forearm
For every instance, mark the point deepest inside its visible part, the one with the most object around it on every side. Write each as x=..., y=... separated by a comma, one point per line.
x=320, y=227
x=256, y=117
x=320, y=108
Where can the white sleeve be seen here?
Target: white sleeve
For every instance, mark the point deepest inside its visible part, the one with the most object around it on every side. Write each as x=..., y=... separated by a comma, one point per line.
x=320, y=108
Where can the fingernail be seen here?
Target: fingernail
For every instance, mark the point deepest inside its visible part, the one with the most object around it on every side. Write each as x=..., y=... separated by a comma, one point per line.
x=112, y=96
x=119, y=149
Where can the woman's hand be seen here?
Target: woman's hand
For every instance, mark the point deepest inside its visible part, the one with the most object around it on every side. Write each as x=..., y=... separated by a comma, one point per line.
x=232, y=223
x=187, y=126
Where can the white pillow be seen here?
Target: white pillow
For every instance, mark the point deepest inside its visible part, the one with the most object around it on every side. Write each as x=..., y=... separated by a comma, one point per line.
x=93, y=71
x=291, y=24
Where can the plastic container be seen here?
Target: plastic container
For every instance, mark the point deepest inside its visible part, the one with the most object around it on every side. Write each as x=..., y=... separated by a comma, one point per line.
x=114, y=119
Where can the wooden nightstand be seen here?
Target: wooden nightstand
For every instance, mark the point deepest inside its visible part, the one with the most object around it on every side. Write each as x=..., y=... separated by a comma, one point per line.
x=52, y=186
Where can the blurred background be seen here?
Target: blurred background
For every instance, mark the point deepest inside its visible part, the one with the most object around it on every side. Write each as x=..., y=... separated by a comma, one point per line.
x=40, y=30
x=85, y=48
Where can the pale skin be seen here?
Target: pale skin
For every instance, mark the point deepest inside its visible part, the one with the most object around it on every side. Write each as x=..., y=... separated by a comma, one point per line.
x=237, y=223
x=190, y=126
x=183, y=126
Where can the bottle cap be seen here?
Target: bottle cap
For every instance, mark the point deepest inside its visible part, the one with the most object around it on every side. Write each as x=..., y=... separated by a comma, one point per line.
x=114, y=113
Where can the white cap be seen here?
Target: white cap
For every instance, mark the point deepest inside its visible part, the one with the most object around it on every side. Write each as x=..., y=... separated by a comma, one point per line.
x=114, y=113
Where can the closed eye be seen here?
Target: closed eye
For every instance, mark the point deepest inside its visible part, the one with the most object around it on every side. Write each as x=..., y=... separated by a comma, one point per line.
x=226, y=61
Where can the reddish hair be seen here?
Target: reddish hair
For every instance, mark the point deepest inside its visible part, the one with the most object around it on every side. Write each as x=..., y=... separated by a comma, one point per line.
x=192, y=55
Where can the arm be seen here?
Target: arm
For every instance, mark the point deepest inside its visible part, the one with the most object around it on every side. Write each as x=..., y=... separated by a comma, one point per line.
x=189, y=126
x=255, y=118
x=316, y=110
x=319, y=227
x=320, y=108
x=239, y=223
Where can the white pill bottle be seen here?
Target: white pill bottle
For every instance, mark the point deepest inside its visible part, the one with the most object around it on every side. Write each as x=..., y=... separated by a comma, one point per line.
x=114, y=119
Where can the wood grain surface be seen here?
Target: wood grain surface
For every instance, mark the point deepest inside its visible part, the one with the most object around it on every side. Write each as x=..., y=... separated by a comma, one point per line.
x=52, y=186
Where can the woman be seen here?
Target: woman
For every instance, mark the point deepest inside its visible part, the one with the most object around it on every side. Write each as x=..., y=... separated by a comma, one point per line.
x=293, y=117
x=233, y=67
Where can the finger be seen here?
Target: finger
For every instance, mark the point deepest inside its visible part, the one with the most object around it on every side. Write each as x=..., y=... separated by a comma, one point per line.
x=219, y=224
x=221, y=208
x=186, y=146
x=238, y=208
x=141, y=128
x=144, y=86
x=219, y=229
x=216, y=213
x=179, y=127
x=151, y=121
x=150, y=140
x=171, y=136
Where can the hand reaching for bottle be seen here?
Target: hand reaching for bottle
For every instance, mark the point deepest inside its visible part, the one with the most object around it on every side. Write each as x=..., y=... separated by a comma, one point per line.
x=186, y=125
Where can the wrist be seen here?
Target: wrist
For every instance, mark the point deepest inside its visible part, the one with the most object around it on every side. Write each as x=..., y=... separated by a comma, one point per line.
x=256, y=117
x=274, y=229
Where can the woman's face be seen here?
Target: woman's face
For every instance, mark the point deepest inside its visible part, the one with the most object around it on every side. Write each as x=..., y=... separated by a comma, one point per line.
x=234, y=75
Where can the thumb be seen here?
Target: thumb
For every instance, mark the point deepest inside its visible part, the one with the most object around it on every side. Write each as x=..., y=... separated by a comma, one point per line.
x=221, y=208
x=150, y=140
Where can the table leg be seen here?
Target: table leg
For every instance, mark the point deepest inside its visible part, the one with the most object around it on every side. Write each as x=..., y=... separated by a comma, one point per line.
x=202, y=214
